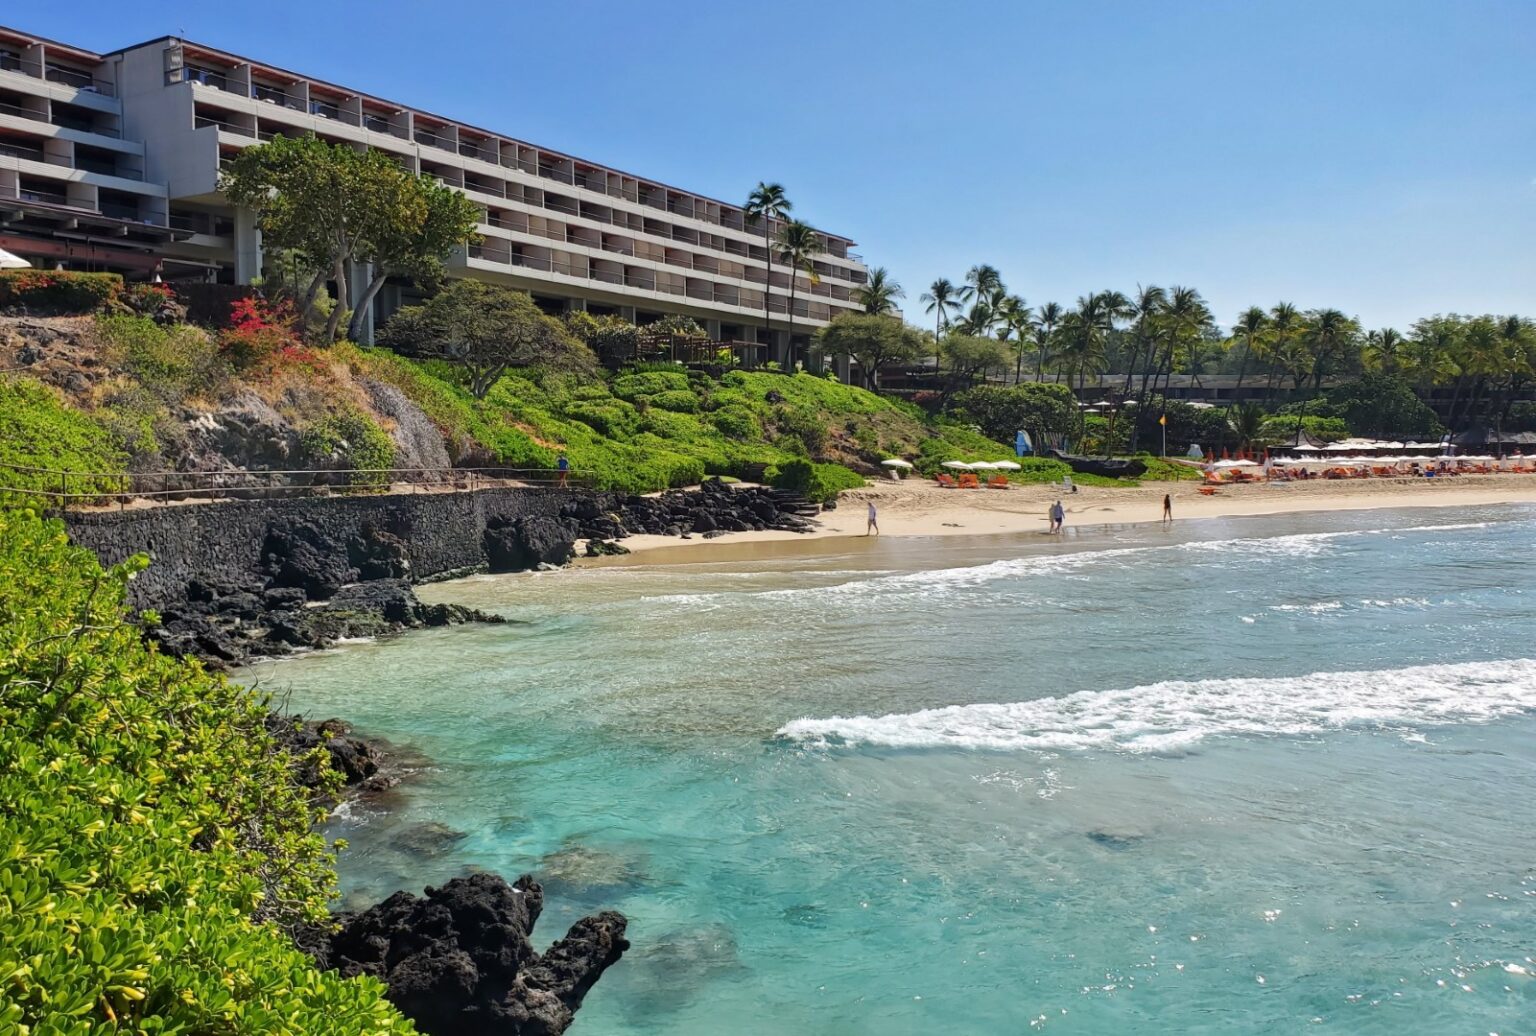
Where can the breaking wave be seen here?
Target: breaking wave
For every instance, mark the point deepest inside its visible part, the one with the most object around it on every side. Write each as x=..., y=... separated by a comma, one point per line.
x=1175, y=715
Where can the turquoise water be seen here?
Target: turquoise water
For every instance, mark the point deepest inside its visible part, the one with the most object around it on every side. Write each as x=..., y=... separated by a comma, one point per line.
x=1258, y=775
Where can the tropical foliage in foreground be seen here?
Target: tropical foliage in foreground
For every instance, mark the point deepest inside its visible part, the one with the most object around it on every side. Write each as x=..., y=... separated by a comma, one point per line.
x=153, y=848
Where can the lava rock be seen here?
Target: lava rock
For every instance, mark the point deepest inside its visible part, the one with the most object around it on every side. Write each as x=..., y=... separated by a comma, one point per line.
x=530, y=541
x=354, y=758
x=459, y=960
x=300, y=554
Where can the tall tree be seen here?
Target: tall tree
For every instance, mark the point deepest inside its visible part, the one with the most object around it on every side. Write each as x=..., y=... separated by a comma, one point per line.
x=767, y=203
x=1284, y=325
x=1249, y=327
x=799, y=244
x=981, y=281
x=879, y=294
x=411, y=237
x=943, y=300
x=1333, y=340
x=485, y=329
x=1046, y=323
x=876, y=341
x=1017, y=322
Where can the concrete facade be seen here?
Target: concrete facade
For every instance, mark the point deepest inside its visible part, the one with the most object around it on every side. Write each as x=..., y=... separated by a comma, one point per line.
x=573, y=233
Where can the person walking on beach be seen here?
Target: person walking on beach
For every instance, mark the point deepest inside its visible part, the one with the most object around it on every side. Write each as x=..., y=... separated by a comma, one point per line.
x=874, y=525
x=1058, y=516
x=1167, y=508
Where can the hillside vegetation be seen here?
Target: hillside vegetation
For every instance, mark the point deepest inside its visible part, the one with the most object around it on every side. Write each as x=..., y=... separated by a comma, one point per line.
x=154, y=847
x=123, y=393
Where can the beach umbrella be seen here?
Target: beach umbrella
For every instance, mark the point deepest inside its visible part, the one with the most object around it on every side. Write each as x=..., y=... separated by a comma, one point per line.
x=1006, y=465
x=983, y=465
x=12, y=262
x=957, y=465
x=896, y=462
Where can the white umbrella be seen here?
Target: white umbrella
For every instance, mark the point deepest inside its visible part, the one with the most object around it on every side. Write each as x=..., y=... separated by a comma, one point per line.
x=957, y=465
x=983, y=465
x=896, y=462
x=1237, y=464
x=1006, y=465
x=12, y=262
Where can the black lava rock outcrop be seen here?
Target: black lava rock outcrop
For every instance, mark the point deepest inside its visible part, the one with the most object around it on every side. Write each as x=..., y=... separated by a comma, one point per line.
x=228, y=624
x=713, y=509
x=528, y=542
x=357, y=761
x=458, y=960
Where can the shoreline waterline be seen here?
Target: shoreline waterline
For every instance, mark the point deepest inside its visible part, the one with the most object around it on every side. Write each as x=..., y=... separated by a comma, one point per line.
x=913, y=509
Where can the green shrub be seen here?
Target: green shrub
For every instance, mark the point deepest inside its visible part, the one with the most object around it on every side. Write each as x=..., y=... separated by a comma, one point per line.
x=737, y=422
x=350, y=438
x=818, y=482
x=679, y=402
x=58, y=292
x=174, y=362
x=153, y=843
x=38, y=430
x=650, y=383
x=611, y=418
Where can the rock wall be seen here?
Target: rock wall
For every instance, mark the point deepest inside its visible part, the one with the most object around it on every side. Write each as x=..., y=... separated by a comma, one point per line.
x=222, y=543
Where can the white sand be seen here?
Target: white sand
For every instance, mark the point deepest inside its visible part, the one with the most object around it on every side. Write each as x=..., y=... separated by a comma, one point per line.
x=917, y=507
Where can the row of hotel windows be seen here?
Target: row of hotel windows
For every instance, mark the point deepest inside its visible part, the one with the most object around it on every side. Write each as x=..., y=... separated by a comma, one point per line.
x=630, y=223
x=468, y=144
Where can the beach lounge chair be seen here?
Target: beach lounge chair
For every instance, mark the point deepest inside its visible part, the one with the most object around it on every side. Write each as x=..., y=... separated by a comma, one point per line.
x=1207, y=490
x=969, y=481
x=997, y=482
x=945, y=481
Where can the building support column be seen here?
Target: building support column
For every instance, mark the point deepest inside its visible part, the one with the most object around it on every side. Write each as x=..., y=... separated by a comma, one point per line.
x=358, y=276
x=712, y=328
x=247, y=247
x=844, y=368
x=575, y=305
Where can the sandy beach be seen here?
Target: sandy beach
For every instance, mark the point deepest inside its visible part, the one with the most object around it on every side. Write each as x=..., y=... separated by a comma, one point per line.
x=918, y=507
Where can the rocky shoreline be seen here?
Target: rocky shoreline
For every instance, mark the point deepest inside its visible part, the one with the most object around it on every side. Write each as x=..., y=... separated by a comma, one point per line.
x=457, y=959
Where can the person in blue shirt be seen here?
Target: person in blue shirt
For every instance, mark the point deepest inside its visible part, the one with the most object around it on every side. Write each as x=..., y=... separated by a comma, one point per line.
x=565, y=468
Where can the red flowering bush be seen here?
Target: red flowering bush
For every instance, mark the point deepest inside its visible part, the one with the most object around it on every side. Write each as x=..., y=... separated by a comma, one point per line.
x=262, y=333
x=58, y=292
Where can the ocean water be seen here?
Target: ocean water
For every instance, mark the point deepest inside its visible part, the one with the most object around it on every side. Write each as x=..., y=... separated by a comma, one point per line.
x=1260, y=775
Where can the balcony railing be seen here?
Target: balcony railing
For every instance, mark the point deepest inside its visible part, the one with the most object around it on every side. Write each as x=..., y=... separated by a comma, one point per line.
x=433, y=140
x=32, y=154
x=43, y=197
x=20, y=112
x=83, y=81
x=229, y=127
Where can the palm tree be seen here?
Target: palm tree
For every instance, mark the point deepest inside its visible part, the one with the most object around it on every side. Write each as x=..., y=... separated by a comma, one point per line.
x=1284, y=323
x=1245, y=420
x=765, y=204
x=942, y=298
x=880, y=292
x=1046, y=322
x=1249, y=327
x=1185, y=319
x=981, y=281
x=1017, y=320
x=1329, y=335
x=799, y=245
x=1149, y=302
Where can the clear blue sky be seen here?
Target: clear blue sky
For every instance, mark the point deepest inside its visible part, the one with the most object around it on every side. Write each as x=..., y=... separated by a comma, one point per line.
x=1374, y=155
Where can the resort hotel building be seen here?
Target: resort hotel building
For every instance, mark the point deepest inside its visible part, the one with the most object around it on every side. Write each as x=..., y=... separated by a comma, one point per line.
x=112, y=161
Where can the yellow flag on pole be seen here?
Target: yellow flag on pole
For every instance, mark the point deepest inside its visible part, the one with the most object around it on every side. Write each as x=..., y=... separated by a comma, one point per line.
x=1163, y=420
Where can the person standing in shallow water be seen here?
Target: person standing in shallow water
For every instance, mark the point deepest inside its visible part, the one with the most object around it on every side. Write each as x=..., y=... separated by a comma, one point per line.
x=1167, y=508
x=1058, y=516
x=874, y=524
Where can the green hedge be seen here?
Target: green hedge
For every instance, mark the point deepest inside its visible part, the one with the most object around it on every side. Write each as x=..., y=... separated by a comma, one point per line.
x=39, y=430
x=818, y=482
x=58, y=292
x=153, y=845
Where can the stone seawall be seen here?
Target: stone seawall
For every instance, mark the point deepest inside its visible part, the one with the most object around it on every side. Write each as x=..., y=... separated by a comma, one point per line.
x=222, y=543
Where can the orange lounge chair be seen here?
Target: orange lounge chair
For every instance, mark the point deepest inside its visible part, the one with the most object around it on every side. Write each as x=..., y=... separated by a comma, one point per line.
x=1207, y=490
x=997, y=482
x=969, y=481
x=945, y=481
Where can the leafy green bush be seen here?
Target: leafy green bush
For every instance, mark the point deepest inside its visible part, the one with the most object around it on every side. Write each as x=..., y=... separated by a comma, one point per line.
x=1282, y=428
x=153, y=844
x=818, y=482
x=58, y=292
x=737, y=422
x=38, y=430
x=679, y=402
x=174, y=362
x=608, y=417
x=650, y=383
x=350, y=438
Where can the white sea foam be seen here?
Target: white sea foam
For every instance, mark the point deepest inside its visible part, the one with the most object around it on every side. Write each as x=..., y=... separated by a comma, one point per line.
x=1174, y=715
